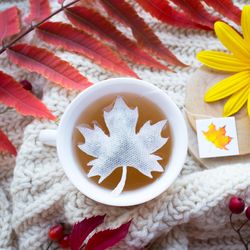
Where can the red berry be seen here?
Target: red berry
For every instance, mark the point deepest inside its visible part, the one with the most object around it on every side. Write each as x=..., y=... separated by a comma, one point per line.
x=26, y=85
x=248, y=212
x=64, y=242
x=56, y=232
x=236, y=205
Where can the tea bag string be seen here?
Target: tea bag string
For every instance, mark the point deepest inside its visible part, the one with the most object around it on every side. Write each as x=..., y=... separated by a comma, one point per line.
x=118, y=189
x=196, y=114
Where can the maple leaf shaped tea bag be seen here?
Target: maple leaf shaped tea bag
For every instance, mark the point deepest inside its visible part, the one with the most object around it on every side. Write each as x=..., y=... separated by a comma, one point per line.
x=123, y=147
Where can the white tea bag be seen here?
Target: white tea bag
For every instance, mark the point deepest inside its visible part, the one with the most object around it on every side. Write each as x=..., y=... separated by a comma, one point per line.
x=123, y=146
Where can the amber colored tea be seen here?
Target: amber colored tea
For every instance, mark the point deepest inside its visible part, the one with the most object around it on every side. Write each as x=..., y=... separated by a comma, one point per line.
x=148, y=111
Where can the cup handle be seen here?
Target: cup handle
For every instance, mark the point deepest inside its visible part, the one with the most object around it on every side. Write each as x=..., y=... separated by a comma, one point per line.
x=48, y=137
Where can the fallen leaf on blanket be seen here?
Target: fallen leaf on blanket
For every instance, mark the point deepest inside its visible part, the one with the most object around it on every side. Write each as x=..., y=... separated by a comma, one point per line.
x=82, y=229
x=5, y=144
x=197, y=12
x=92, y=22
x=144, y=35
x=9, y=23
x=166, y=13
x=39, y=9
x=75, y=240
x=226, y=8
x=65, y=36
x=104, y=239
x=217, y=136
x=47, y=64
x=13, y=94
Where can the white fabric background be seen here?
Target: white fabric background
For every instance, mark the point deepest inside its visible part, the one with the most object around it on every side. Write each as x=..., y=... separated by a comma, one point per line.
x=35, y=193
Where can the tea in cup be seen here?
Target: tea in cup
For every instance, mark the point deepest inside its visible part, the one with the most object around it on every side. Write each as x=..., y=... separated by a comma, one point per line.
x=121, y=142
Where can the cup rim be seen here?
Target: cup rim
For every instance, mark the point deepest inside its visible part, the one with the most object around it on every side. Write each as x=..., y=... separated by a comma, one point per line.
x=91, y=189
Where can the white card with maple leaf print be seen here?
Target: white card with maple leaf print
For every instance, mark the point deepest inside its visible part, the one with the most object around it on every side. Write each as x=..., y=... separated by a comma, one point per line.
x=217, y=137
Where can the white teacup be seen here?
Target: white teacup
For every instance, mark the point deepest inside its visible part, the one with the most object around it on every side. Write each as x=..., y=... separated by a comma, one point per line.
x=62, y=139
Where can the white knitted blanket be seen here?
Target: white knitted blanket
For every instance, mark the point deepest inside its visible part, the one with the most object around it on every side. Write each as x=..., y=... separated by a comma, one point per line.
x=35, y=193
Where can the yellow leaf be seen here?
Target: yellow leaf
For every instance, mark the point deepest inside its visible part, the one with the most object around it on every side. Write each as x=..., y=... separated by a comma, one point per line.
x=217, y=136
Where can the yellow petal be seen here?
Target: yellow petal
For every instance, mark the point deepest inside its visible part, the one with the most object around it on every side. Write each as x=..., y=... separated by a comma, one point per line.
x=228, y=86
x=222, y=61
x=236, y=101
x=232, y=41
x=245, y=23
x=248, y=105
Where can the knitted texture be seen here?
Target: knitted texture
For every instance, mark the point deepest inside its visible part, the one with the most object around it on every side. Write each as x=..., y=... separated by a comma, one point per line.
x=191, y=214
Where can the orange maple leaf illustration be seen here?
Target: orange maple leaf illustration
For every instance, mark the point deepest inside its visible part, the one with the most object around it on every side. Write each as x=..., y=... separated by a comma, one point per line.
x=217, y=136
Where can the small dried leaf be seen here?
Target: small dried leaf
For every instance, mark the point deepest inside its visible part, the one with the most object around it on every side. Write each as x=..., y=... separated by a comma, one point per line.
x=12, y=94
x=145, y=36
x=64, y=35
x=91, y=21
x=5, y=144
x=82, y=229
x=9, y=23
x=217, y=137
x=39, y=9
x=104, y=239
x=47, y=64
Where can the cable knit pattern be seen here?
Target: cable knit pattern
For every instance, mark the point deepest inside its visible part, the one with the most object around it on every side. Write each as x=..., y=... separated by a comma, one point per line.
x=191, y=214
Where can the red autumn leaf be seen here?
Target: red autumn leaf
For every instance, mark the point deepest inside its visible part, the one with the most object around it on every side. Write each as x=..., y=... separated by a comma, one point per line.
x=47, y=64
x=162, y=10
x=82, y=229
x=145, y=36
x=226, y=8
x=197, y=12
x=5, y=144
x=72, y=39
x=107, y=238
x=9, y=23
x=39, y=9
x=92, y=22
x=12, y=94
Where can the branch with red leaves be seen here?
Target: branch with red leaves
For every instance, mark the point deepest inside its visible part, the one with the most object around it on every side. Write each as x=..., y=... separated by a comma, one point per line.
x=33, y=16
x=91, y=21
x=82, y=40
x=75, y=240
